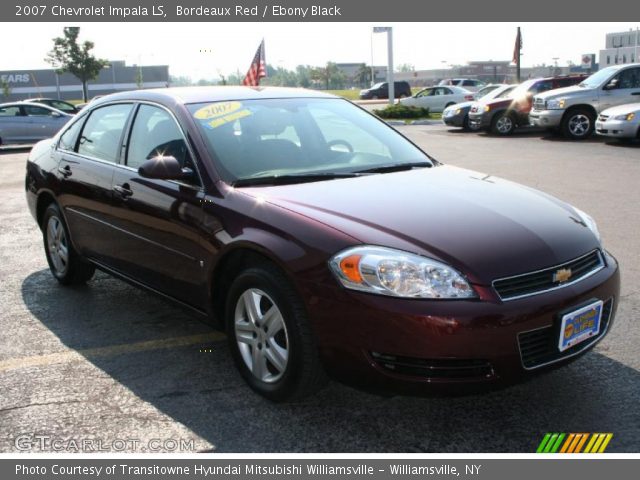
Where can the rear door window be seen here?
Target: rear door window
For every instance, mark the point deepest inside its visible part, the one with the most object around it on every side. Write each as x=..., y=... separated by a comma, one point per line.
x=102, y=133
x=10, y=111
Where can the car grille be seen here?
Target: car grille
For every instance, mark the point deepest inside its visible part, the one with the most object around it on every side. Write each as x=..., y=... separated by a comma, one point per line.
x=434, y=368
x=540, y=347
x=538, y=104
x=544, y=280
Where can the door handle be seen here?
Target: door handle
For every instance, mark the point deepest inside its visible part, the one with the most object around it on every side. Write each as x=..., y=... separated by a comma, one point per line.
x=123, y=190
x=635, y=93
x=65, y=171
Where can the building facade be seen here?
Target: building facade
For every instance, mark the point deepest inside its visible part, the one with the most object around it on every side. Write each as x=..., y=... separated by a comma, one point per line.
x=116, y=77
x=620, y=48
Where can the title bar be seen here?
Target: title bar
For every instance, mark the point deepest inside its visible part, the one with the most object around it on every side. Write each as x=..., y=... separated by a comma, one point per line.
x=313, y=11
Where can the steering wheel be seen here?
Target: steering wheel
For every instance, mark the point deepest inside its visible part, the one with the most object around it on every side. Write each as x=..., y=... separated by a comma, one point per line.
x=340, y=142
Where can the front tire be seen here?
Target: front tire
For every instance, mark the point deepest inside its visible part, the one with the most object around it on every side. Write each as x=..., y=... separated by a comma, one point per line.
x=64, y=262
x=503, y=124
x=270, y=336
x=578, y=124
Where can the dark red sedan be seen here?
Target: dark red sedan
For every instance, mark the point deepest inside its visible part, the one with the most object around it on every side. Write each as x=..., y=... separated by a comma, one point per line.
x=320, y=239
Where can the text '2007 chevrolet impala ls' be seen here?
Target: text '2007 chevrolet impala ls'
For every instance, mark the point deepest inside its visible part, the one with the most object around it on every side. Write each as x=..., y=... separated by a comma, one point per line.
x=321, y=240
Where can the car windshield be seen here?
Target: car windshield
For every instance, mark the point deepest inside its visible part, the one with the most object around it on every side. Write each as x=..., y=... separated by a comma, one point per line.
x=522, y=89
x=595, y=80
x=300, y=137
x=500, y=93
x=485, y=91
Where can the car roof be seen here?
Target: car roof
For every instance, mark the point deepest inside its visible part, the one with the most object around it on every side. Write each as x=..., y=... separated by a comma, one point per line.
x=186, y=95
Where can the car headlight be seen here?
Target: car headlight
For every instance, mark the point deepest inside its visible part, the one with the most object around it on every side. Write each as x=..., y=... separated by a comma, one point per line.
x=386, y=271
x=589, y=222
x=458, y=111
x=628, y=117
x=557, y=104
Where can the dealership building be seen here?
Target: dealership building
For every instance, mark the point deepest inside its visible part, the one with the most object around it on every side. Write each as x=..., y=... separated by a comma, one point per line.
x=115, y=77
x=621, y=47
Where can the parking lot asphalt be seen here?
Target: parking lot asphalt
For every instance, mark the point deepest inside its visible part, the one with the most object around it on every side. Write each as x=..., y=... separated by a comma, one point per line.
x=111, y=367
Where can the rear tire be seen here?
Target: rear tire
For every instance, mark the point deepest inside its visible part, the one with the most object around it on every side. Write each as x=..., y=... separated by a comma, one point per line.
x=578, y=124
x=270, y=336
x=64, y=262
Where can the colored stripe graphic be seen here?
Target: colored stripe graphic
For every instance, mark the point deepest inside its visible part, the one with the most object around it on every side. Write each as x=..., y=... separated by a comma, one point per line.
x=574, y=442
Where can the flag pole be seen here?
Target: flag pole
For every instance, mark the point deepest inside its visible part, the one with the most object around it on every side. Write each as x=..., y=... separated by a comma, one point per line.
x=519, y=40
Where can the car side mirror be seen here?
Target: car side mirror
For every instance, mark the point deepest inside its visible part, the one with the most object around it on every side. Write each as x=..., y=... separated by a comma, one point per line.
x=163, y=168
x=611, y=85
x=56, y=114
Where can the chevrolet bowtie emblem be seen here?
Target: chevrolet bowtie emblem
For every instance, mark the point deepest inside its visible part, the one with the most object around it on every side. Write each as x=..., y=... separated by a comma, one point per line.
x=562, y=275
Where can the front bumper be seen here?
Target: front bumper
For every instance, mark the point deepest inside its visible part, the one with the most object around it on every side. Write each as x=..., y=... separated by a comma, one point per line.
x=617, y=128
x=480, y=120
x=455, y=120
x=546, y=118
x=446, y=345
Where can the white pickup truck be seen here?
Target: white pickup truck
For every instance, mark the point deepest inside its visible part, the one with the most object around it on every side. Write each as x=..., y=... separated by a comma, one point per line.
x=574, y=110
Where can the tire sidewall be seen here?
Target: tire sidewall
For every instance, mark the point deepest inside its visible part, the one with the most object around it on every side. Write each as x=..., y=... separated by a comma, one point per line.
x=53, y=211
x=262, y=279
x=567, y=120
x=496, y=119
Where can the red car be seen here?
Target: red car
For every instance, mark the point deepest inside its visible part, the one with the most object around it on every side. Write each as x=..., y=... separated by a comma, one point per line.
x=321, y=240
x=501, y=116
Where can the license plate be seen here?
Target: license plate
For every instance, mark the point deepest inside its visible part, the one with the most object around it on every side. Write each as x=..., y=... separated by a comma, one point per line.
x=580, y=325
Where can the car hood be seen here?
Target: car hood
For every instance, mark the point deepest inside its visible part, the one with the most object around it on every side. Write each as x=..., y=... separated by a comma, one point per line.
x=623, y=109
x=482, y=225
x=501, y=102
x=460, y=105
x=566, y=92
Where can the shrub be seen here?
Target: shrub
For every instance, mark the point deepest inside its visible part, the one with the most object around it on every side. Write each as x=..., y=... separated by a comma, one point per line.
x=402, y=111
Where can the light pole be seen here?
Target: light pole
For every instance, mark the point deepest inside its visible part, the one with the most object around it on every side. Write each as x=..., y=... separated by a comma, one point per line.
x=389, y=32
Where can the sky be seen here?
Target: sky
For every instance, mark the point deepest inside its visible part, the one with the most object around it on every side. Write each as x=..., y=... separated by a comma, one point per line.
x=206, y=50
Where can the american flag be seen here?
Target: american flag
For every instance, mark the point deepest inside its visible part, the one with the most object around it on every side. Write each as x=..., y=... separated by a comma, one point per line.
x=518, y=47
x=258, y=68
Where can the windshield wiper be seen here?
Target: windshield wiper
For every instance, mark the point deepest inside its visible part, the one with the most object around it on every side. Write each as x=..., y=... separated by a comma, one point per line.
x=291, y=178
x=396, y=167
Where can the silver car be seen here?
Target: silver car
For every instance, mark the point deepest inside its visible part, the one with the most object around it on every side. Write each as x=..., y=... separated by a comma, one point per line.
x=622, y=121
x=26, y=123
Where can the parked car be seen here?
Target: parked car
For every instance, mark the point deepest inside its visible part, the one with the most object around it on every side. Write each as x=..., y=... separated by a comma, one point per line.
x=621, y=122
x=25, y=123
x=574, y=110
x=504, y=115
x=466, y=83
x=458, y=115
x=321, y=239
x=436, y=99
x=401, y=89
x=61, y=105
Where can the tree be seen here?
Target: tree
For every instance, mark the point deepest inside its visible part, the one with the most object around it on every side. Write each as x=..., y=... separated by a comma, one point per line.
x=139, y=78
x=330, y=75
x=6, y=89
x=67, y=55
x=405, y=68
x=363, y=75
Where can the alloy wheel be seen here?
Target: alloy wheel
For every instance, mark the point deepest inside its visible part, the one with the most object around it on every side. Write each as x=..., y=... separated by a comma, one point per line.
x=579, y=125
x=504, y=124
x=57, y=245
x=261, y=335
